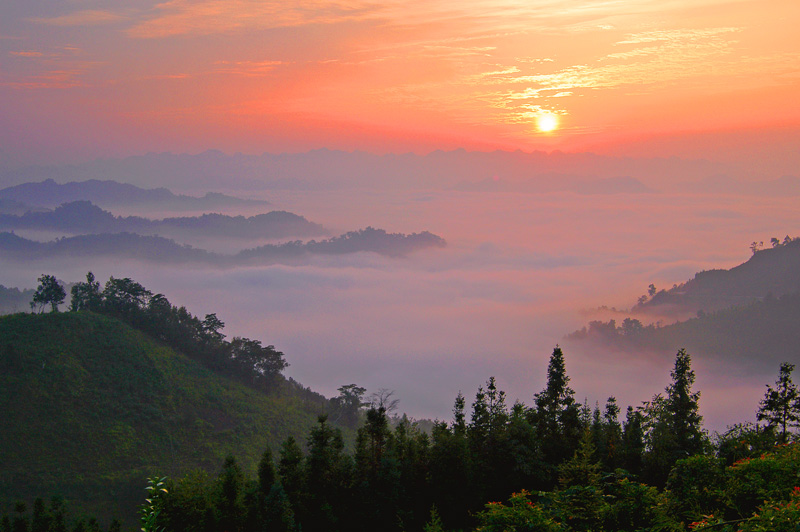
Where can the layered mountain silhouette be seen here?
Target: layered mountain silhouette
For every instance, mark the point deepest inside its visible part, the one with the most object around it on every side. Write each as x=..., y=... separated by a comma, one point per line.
x=109, y=193
x=82, y=217
x=163, y=250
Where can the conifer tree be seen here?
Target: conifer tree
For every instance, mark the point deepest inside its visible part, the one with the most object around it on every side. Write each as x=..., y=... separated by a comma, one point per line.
x=557, y=415
x=632, y=441
x=780, y=407
x=290, y=471
x=682, y=405
x=673, y=423
x=230, y=496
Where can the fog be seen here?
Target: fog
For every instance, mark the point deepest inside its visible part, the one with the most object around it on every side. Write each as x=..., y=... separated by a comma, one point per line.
x=519, y=272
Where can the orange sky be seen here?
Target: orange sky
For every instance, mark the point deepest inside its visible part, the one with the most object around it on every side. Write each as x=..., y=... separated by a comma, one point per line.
x=83, y=78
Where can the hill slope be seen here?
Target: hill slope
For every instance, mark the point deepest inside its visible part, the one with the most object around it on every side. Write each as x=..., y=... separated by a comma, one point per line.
x=756, y=338
x=773, y=271
x=90, y=407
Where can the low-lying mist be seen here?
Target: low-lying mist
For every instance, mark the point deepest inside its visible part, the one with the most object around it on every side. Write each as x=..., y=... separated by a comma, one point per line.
x=513, y=280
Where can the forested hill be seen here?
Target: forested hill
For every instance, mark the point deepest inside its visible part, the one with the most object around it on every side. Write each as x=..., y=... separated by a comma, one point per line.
x=164, y=250
x=774, y=271
x=747, y=315
x=48, y=193
x=92, y=406
x=756, y=337
x=81, y=217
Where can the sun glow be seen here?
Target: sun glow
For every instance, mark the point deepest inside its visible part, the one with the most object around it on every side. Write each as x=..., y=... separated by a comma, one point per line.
x=547, y=122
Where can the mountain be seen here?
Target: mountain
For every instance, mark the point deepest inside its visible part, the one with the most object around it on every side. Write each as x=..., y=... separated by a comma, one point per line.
x=14, y=299
x=747, y=315
x=774, y=271
x=325, y=169
x=16, y=208
x=80, y=217
x=755, y=338
x=553, y=182
x=48, y=193
x=91, y=407
x=163, y=250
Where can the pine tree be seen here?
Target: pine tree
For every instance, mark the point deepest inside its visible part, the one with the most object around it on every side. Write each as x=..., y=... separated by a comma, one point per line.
x=557, y=416
x=780, y=407
x=673, y=423
x=266, y=472
x=632, y=442
x=682, y=405
x=230, y=496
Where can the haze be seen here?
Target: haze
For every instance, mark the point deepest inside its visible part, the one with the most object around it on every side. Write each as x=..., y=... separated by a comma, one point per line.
x=689, y=109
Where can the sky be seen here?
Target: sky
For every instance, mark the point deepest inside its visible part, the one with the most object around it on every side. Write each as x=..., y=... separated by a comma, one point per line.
x=655, y=80
x=81, y=79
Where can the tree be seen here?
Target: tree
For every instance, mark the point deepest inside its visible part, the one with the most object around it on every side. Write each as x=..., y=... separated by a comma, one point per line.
x=230, y=495
x=557, y=415
x=266, y=472
x=125, y=296
x=384, y=399
x=673, y=423
x=86, y=296
x=211, y=326
x=260, y=364
x=49, y=292
x=632, y=441
x=682, y=405
x=781, y=405
x=349, y=404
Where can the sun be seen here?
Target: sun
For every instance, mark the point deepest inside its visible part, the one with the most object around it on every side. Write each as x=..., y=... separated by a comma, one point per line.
x=547, y=122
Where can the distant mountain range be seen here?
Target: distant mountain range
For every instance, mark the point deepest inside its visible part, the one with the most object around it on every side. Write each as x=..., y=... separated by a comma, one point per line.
x=559, y=183
x=325, y=169
x=163, y=250
x=81, y=217
x=107, y=193
x=14, y=299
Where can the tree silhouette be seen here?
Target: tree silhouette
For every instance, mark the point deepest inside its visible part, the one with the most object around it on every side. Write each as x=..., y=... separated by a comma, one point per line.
x=781, y=405
x=49, y=292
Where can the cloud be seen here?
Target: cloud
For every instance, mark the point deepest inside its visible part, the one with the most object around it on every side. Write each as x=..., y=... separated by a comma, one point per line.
x=51, y=79
x=245, y=68
x=88, y=17
x=205, y=17
x=659, y=57
x=26, y=53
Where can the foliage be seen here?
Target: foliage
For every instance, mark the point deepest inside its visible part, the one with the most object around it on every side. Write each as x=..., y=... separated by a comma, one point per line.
x=153, y=505
x=100, y=406
x=49, y=292
x=673, y=423
x=780, y=407
x=520, y=515
x=776, y=516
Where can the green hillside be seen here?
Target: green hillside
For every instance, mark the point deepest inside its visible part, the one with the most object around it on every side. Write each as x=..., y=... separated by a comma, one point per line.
x=91, y=407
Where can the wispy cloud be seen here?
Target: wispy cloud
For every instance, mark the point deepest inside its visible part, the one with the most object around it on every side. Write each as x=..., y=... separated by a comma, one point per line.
x=657, y=57
x=88, y=17
x=62, y=67
x=205, y=17
x=26, y=53
x=52, y=79
x=245, y=68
